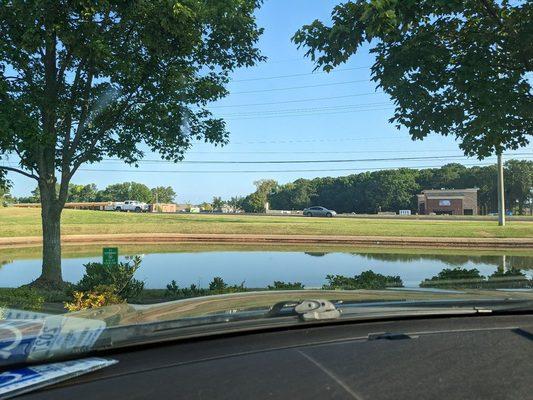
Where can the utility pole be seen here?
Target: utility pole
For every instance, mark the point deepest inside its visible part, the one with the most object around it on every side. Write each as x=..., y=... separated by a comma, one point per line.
x=501, y=195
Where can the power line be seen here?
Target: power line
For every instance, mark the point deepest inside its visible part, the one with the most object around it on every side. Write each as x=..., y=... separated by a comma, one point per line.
x=316, y=152
x=325, y=140
x=311, y=161
x=308, y=109
x=331, y=152
x=296, y=75
x=300, y=87
x=309, y=114
x=274, y=171
x=270, y=103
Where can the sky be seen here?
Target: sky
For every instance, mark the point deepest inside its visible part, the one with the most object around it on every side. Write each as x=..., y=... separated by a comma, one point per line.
x=280, y=110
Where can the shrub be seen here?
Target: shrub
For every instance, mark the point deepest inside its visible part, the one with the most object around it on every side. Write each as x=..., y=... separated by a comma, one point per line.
x=100, y=296
x=172, y=289
x=366, y=280
x=280, y=285
x=119, y=277
x=217, y=284
x=23, y=298
x=194, y=291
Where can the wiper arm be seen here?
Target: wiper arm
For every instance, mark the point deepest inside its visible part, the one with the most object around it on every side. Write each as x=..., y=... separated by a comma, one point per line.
x=307, y=310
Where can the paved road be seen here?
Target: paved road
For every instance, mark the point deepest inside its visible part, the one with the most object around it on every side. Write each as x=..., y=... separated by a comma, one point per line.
x=523, y=218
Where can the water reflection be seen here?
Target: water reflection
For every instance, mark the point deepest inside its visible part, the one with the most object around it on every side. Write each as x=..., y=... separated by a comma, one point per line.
x=503, y=261
x=261, y=268
x=315, y=253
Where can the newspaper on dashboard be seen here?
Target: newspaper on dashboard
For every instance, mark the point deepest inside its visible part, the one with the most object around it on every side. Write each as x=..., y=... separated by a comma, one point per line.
x=33, y=336
x=23, y=380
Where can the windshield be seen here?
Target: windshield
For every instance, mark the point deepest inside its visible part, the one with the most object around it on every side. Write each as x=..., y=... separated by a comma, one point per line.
x=182, y=169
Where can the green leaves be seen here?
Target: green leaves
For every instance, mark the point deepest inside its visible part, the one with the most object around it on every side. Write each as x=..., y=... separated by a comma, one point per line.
x=452, y=67
x=126, y=74
x=126, y=191
x=393, y=190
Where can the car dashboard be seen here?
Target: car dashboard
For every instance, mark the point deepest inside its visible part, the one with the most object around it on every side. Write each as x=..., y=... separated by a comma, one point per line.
x=480, y=357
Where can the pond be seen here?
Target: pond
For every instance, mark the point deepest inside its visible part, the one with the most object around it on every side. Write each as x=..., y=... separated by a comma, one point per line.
x=259, y=267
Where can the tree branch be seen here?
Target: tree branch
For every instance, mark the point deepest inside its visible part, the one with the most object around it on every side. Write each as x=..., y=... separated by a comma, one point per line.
x=492, y=12
x=70, y=109
x=27, y=174
x=84, y=111
x=63, y=67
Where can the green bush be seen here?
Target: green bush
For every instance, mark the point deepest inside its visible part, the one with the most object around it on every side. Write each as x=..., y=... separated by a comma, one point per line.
x=174, y=291
x=280, y=285
x=216, y=286
x=366, y=280
x=21, y=298
x=119, y=277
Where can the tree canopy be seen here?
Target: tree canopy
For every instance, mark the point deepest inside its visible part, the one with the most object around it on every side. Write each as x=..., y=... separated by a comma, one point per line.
x=126, y=191
x=80, y=81
x=115, y=192
x=393, y=190
x=163, y=194
x=257, y=201
x=452, y=67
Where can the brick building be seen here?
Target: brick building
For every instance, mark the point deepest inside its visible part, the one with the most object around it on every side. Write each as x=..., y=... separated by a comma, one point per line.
x=448, y=201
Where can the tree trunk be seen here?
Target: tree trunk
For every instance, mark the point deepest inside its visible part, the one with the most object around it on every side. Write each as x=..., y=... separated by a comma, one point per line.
x=51, y=277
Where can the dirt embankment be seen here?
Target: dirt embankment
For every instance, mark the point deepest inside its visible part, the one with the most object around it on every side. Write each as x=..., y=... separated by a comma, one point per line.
x=392, y=241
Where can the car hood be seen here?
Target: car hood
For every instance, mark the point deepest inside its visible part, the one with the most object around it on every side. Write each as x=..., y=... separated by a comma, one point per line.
x=127, y=314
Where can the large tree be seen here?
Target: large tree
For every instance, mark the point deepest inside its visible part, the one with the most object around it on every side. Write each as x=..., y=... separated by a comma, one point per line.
x=217, y=203
x=519, y=183
x=163, y=194
x=80, y=81
x=126, y=191
x=257, y=201
x=452, y=67
x=82, y=193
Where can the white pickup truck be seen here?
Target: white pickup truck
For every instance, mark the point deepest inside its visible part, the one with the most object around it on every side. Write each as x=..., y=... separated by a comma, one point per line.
x=129, y=205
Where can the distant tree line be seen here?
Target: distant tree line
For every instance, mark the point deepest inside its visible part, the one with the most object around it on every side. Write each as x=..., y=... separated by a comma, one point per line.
x=395, y=189
x=116, y=192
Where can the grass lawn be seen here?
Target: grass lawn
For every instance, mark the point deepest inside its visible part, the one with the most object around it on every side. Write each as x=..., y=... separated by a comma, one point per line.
x=26, y=222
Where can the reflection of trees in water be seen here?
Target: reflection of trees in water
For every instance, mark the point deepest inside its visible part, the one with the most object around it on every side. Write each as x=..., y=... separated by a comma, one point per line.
x=5, y=262
x=516, y=262
x=462, y=278
x=315, y=253
x=513, y=262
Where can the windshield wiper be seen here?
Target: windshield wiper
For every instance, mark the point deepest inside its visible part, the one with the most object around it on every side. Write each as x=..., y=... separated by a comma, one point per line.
x=307, y=310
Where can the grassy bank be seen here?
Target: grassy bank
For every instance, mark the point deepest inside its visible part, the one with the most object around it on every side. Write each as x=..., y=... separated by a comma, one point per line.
x=17, y=222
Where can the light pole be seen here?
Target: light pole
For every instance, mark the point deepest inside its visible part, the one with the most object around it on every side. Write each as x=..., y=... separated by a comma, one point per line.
x=501, y=195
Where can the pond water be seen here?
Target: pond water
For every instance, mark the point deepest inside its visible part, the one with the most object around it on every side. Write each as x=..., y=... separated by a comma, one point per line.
x=260, y=268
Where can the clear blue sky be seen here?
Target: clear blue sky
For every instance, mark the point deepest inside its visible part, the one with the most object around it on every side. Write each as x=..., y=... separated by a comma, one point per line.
x=351, y=127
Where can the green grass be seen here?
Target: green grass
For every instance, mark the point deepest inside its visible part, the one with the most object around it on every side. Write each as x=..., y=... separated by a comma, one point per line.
x=26, y=222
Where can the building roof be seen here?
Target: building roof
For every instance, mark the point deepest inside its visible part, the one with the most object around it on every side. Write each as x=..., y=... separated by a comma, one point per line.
x=451, y=191
x=443, y=196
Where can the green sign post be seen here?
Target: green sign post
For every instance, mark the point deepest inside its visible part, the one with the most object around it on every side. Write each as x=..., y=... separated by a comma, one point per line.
x=110, y=256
